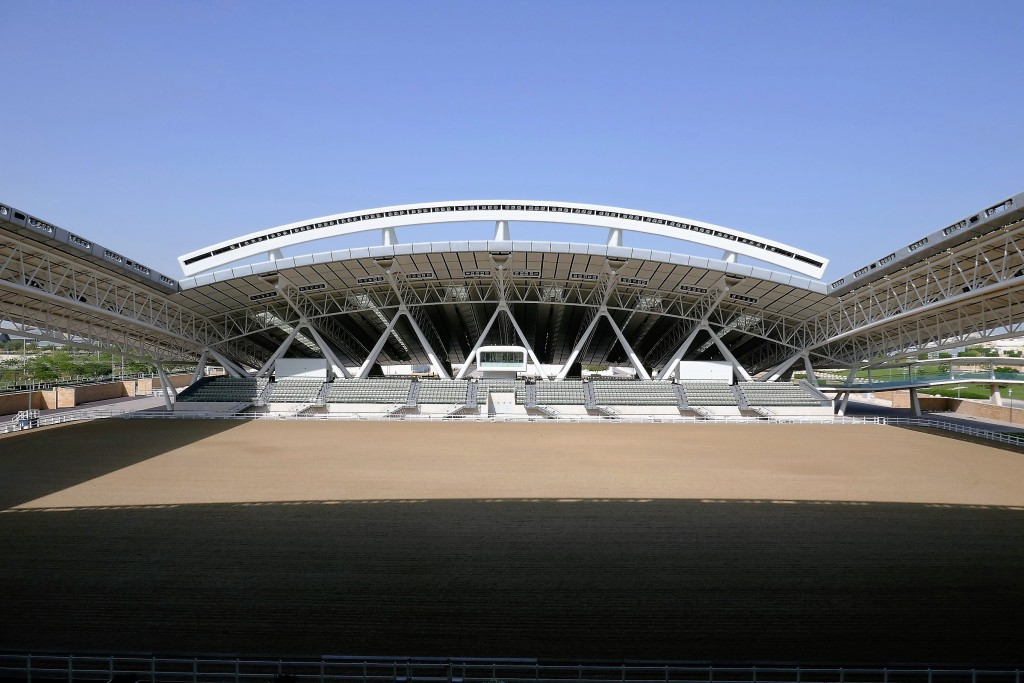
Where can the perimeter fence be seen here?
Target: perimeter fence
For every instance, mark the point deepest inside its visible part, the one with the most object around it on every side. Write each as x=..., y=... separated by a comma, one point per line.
x=26, y=420
x=54, y=668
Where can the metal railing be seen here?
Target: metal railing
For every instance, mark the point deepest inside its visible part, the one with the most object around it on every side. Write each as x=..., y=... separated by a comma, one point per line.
x=147, y=669
x=1010, y=438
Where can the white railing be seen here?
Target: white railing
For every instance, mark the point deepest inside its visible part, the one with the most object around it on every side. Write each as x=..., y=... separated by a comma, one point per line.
x=1011, y=438
x=340, y=669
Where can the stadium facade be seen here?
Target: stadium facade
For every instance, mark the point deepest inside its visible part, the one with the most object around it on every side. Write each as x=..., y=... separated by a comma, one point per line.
x=760, y=307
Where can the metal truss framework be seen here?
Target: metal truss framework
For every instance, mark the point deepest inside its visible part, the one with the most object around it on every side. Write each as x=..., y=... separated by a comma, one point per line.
x=964, y=295
x=967, y=294
x=49, y=295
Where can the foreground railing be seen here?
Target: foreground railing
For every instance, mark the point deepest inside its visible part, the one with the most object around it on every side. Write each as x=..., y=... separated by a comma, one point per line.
x=1010, y=438
x=146, y=669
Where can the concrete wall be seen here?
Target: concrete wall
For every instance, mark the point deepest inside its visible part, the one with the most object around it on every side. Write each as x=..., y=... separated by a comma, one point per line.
x=14, y=403
x=929, y=404
x=940, y=404
x=69, y=397
x=149, y=384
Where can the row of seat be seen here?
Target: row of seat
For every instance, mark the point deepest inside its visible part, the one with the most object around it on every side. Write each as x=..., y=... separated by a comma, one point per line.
x=778, y=394
x=295, y=390
x=700, y=393
x=451, y=391
x=635, y=393
x=225, y=389
x=568, y=392
x=368, y=391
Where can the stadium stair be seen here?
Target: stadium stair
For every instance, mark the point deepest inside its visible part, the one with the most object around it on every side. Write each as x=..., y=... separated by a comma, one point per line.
x=414, y=394
x=741, y=400
x=681, y=396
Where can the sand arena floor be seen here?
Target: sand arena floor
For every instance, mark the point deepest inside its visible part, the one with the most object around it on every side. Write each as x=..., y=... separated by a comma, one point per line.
x=753, y=542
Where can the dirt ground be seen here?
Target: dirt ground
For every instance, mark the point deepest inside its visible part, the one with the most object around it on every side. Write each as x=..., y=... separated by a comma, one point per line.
x=694, y=542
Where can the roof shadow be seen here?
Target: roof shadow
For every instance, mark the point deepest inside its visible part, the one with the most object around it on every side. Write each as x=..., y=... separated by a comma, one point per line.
x=23, y=480
x=606, y=579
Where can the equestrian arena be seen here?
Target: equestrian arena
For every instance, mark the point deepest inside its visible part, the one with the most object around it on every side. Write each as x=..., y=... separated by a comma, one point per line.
x=700, y=542
x=513, y=448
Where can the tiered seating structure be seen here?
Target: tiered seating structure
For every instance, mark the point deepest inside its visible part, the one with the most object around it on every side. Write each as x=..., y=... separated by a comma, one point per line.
x=225, y=390
x=485, y=386
x=635, y=393
x=295, y=390
x=566, y=393
x=699, y=393
x=368, y=391
x=779, y=394
x=439, y=391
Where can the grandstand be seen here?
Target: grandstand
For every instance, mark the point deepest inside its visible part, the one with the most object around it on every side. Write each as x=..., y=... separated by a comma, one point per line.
x=760, y=312
x=523, y=540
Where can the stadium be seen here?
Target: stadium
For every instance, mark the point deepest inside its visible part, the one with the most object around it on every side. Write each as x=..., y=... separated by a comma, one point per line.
x=514, y=460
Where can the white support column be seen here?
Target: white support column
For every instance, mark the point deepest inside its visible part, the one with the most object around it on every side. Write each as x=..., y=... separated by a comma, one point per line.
x=633, y=358
x=476, y=347
x=730, y=256
x=274, y=255
x=844, y=403
x=737, y=368
x=229, y=367
x=281, y=350
x=667, y=371
x=614, y=237
x=915, y=403
x=811, y=377
x=364, y=370
x=777, y=372
x=165, y=386
x=388, y=237
x=522, y=338
x=578, y=348
x=434, y=361
x=997, y=398
x=200, y=366
x=328, y=352
x=501, y=232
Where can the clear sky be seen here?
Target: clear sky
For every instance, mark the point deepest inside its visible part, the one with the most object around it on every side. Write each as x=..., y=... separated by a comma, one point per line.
x=844, y=128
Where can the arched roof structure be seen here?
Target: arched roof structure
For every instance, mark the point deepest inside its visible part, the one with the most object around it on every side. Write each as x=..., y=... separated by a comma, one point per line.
x=590, y=303
x=616, y=219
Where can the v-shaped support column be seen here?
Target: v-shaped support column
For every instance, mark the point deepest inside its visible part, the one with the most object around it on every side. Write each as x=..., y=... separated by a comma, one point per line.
x=777, y=372
x=328, y=352
x=667, y=371
x=634, y=360
x=200, y=366
x=281, y=350
x=233, y=369
x=165, y=386
x=811, y=377
x=502, y=308
x=364, y=370
x=737, y=368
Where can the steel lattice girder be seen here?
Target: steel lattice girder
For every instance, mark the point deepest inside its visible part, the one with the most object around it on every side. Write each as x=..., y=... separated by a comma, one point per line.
x=980, y=265
x=58, y=295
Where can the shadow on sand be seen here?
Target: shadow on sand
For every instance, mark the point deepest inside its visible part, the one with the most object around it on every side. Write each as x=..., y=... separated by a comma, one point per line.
x=612, y=579
x=76, y=453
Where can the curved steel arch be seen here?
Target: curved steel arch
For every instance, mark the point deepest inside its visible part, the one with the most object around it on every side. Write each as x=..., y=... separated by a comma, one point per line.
x=503, y=211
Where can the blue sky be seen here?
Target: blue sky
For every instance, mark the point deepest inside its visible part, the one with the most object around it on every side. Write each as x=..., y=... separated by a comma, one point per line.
x=845, y=128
